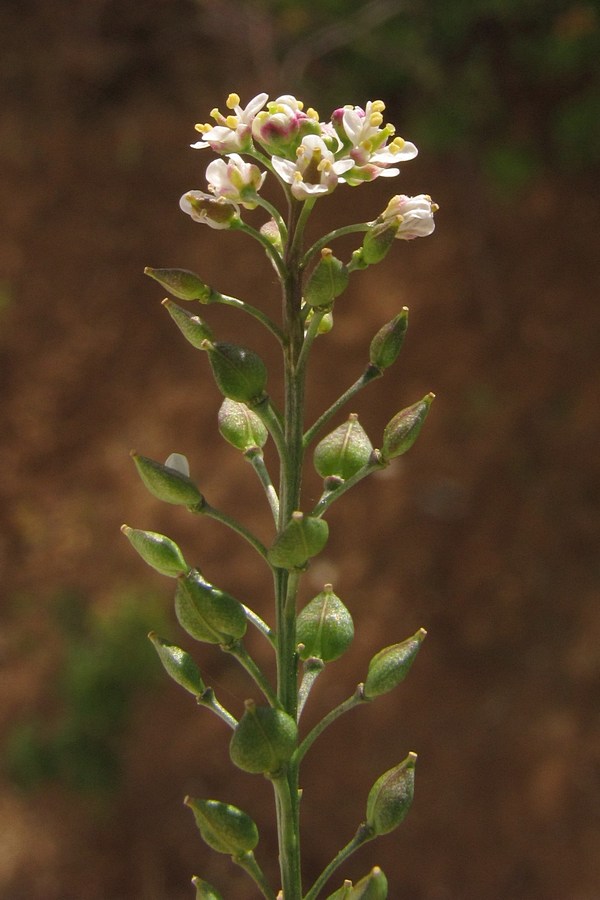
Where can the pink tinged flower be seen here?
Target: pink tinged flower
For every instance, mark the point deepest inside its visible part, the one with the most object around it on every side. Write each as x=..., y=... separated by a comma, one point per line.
x=414, y=215
x=367, y=143
x=216, y=212
x=315, y=171
x=233, y=132
x=282, y=126
x=235, y=180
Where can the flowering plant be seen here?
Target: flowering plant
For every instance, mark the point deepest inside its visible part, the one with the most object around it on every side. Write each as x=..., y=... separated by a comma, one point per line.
x=309, y=158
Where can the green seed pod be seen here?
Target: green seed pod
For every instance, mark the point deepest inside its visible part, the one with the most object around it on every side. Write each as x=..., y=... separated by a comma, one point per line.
x=181, y=283
x=326, y=323
x=206, y=613
x=167, y=483
x=324, y=627
x=264, y=738
x=402, y=431
x=204, y=890
x=373, y=886
x=391, y=796
x=387, y=343
x=303, y=537
x=327, y=281
x=157, y=550
x=240, y=373
x=179, y=665
x=193, y=328
x=224, y=827
x=344, y=452
x=240, y=426
x=390, y=666
x=377, y=241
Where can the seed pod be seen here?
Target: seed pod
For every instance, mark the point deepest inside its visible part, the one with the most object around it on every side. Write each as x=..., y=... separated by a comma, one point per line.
x=240, y=373
x=373, y=886
x=179, y=665
x=204, y=890
x=157, y=550
x=206, y=613
x=390, y=666
x=324, y=627
x=193, y=328
x=303, y=537
x=181, y=283
x=377, y=241
x=167, y=483
x=402, y=431
x=344, y=452
x=327, y=281
x=224, y=827
x=240, y=426
x=391, y=796
x=387, y=343
x=263, y=739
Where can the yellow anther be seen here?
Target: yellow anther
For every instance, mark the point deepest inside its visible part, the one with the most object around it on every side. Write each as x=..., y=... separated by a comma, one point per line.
x=203, y=128
x=396, y=145
x=378, y=106
x=324, y=165
x=375, y=119
x=312, y=114
x=300, y=104
x=232, y=101
x=231, y=121
x=297, y=176
x=215, y=114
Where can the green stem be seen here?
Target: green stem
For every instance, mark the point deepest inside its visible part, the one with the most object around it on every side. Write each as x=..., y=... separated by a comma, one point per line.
x=355, y=700
x=265, y=320
x=260, y=625
x=239, y=652
x=249, y=864
x=328, y=238
x=286, y=794
x=271, y=420
x=275, y=214
x=208, y=510
x=309, y=337
x=255, y=457
x=209, y=700
x=312, y=669
x=272, y=252
x=370, y=373
x=330, y=497
x=363, y=834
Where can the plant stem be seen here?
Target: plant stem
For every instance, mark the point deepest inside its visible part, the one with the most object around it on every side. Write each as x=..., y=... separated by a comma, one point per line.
x=249, y=864
x=330, y=497
x=251, y=310
x=312, y=669
x=370, y=373
x=328, y=238
x=260, y=625
x=240, y=653
x=208, y=510
x=355, y=700
x=209, y=700
x=363, y=834
x=256, y=459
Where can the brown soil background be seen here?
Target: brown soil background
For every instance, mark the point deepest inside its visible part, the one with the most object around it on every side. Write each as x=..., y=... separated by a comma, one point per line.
x=487, y=534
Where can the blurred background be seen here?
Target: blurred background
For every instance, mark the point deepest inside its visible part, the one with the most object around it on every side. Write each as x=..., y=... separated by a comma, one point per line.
x=486, y=534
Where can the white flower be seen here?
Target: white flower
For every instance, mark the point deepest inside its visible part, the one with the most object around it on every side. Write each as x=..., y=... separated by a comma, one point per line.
x=283, y=124
x=315, y=172
x=215, y=212
x=233, y=132
x=366, y=142
x=235, y=180
x=414, y=215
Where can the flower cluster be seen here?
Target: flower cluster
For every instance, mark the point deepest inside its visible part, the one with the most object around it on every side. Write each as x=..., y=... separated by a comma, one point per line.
x=310, y=157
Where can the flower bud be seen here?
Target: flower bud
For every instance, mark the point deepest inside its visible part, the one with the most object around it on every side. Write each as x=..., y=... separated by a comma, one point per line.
x=303, y=537
x=387, y=343
x=224, y=827
x=216, y=212
x=263, y=739
x=327, y=281
x=157, y=550
x=402, y=431
x=344, y=452
x=181, y=283
x=193, y=328
x=390, y=666
x=204, y=890
x=179, y=665
x=240, y=373
x=324, y=627
x=378, y=240
x=206, y=613
x=240, y=426
x=167, y=483
x=373, y=886
x=391, y=796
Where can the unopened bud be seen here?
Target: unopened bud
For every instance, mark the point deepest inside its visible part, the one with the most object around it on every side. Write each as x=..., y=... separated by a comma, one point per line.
x=157, y=550
x=303, y=537
x=179, y=665
x=391, y=796
x=263, y=739
x=240, y=373
x=387, y=343
x=181, y=283
x=224, y=827
x=204, y=890
x=193, y=328
x=344, y=452
x=402, y=431
x=167, y=483
x=240, y=426
x=324, y=627
x=378, y=240
x=327, y=281
x=206, y=613
x=390, y=666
